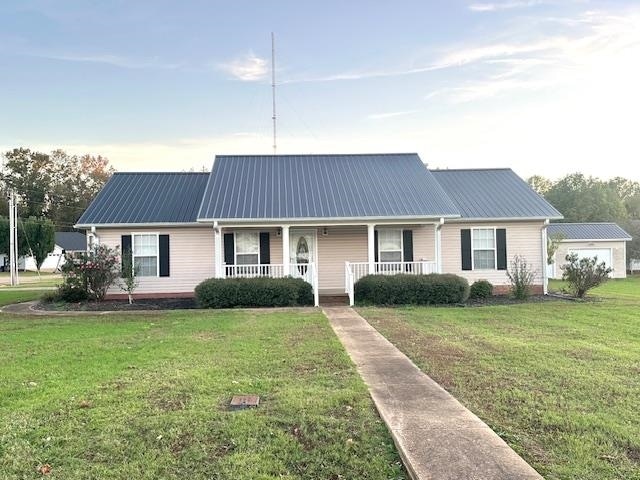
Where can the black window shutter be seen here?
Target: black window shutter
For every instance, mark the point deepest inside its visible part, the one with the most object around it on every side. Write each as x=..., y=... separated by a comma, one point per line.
x=465, y=242
x=125, y=247
x=163, y=241
x=375, y=246
x=265, y=251
x=407, y=245
x=229, y=249
x=501, y=248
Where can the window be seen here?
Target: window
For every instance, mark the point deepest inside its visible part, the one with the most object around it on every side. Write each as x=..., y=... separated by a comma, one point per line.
x=389, y=245
x=247, y=248
x=145, y=254
x=484, y=248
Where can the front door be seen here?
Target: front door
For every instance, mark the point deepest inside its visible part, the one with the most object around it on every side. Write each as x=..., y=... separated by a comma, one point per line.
x=302, y=250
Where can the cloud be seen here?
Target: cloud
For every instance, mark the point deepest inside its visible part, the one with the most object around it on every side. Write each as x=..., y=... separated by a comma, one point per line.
x=109, y=59
x=492, y=7
x=248, y=68
x=385, y=115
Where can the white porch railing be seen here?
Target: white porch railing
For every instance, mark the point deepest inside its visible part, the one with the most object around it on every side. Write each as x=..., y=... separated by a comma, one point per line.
x=354, y=271
x=306, y=271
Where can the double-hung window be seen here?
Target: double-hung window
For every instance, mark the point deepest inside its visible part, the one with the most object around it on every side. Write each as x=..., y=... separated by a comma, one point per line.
x=483, y=242
x=390, y=245
x=145, y=254
x=247, y=248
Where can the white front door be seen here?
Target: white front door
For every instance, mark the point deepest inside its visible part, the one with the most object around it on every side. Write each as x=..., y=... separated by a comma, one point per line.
x=302, y=249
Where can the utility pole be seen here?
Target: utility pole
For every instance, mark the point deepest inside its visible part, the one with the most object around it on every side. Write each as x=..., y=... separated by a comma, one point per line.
x=13, y=238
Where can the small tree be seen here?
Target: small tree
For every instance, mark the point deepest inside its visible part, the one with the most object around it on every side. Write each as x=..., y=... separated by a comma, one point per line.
x=521, y=277
x=552, y=246
x=92, y=272
x=39, y=236
x=584, y=274
x=129, y=281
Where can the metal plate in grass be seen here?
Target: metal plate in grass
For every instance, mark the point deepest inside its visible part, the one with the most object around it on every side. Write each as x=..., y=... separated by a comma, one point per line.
x=240, y=402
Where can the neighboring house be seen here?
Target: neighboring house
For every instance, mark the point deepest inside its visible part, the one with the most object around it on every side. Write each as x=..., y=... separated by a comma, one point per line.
x=607, y=241
x=329, y=219
x=65, y=242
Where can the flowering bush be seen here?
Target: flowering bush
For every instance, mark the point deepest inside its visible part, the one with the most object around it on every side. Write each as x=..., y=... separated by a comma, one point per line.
x=89, y=274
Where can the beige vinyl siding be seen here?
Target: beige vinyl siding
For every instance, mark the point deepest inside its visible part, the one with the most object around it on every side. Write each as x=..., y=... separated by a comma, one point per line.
x=618, y=255
x=350, y=244
x=523, y=238
x=191, y=258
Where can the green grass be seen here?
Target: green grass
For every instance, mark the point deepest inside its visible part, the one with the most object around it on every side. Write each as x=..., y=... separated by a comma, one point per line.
x=145, y=397
x=623, y=289
x=559, y=381
x=10, y=296
x=31, y=279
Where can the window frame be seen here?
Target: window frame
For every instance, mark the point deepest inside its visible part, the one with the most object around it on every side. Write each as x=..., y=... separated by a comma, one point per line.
x=133, y=252
x=495, y=249
x=235, y=247
x=387, y=251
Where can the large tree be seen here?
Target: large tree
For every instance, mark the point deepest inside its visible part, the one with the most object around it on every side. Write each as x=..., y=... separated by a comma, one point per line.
x=58, y=186
x=39, y=237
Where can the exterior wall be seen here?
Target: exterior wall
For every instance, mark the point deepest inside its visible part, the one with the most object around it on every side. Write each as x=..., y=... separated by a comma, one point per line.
x=190, y=255
x=618, y=256
x=523, y=238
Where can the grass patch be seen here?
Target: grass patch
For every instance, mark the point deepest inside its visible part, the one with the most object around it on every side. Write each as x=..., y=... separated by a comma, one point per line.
x=622, y=289
x=146, y=397
x=31, y=279
x=559, y=381
x=9, y=296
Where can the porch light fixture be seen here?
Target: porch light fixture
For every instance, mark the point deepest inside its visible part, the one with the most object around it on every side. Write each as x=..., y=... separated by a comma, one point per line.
x=279, y=232
x=325, y=231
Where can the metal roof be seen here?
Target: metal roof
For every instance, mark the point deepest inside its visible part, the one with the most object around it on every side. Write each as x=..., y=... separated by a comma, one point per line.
x=71, y=241
x=251, y=187
x=129, y=198
x=588, y=231
x=493, y=194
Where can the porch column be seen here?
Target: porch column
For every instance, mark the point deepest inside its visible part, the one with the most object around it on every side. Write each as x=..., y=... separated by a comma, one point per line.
x=438, y=243
x=371, y=247
x=285, y=250
x=217, y=252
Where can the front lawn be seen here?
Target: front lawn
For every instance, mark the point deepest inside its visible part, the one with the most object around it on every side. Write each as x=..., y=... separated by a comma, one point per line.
x=146, y=397
x=559, y=381
x=628, y=288
x=13, y=295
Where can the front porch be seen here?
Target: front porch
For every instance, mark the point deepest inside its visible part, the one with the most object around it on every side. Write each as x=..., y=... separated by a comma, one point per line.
x=332, y=258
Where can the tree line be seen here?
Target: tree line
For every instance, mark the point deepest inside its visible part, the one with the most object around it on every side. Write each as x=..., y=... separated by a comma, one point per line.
x=582, y=198
x=53, y=189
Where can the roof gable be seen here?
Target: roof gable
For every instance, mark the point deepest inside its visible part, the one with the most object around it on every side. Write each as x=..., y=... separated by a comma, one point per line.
x=132, y=198
x=588, y=231
x=269, y=187
x=493, y=194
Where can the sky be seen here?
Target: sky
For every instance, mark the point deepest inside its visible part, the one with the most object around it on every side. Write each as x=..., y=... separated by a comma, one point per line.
x=545, y=87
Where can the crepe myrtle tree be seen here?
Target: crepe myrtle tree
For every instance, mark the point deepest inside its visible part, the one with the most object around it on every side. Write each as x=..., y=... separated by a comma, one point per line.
x=92, y=272
x=129, y=277
x=521, y=276
x=583, y=274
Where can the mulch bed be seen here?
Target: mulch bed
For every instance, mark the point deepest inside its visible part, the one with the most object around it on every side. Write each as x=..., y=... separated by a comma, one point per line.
x=123, y=305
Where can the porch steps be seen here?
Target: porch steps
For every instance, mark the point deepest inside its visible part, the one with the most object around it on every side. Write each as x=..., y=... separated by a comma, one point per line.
x=334, y=300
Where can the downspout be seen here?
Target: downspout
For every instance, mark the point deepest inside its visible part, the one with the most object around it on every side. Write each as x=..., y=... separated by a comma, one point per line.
x=439, y=245
x=545, y=280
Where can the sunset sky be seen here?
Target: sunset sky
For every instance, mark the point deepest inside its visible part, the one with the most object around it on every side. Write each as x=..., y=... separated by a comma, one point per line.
x=546, y=87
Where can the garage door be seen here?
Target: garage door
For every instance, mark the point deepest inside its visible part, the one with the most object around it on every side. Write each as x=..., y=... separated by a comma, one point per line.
x=603, y=254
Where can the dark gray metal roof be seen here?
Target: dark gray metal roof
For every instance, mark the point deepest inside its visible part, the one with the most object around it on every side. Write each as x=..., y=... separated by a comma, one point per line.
x=493, y=193
x=323, y=186
x=588, y=231
x=71, y=241
x=130, y=198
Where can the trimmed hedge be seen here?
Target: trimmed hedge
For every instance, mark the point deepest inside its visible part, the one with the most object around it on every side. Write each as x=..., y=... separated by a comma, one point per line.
x=403, y=289
x=480, y=290
x=253, y=292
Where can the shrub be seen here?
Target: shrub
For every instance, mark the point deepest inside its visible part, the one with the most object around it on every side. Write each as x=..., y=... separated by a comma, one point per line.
x=480, y=289
x=253, y=292
x=584, y=274
x=403, y=289
x=91, y=273
x=521, y=277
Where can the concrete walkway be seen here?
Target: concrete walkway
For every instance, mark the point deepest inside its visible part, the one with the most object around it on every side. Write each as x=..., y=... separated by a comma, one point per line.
x=436, y=436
